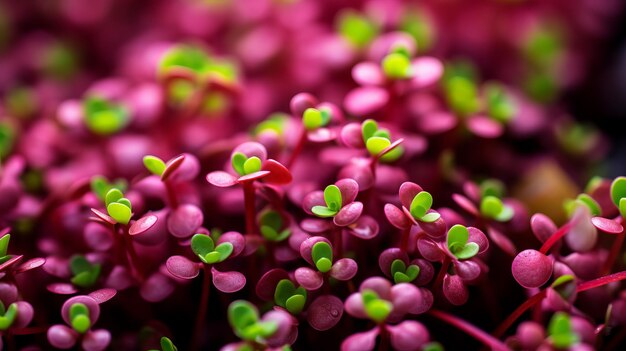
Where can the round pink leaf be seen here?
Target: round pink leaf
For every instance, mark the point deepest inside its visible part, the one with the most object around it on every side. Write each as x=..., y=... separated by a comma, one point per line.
x=365, y=228
x=221, y=179
x=344, y=269
x=61, y=288
x=348, y=214
x=103, y=295
x=365, y=341
x=325, y=312
x=368, y=73
x=279, y=174
x=184, y=220
x=365, y=100
x=485, y=127
x=308, y=278
x=141, y=225
x=607, y=225
x=181, y=267
x=228, y=282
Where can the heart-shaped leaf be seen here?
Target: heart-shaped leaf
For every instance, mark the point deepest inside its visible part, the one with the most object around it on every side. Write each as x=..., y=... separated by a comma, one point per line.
x=375, y=145
x=322, y=255
x=295, y=304
x=332, y=197
x=202, y=244
x=457, y=237
x=560, y=330
x=397, y=266
x=323, y=211
x=4, y=244
x=237, y=161
x=491, y=206
x=119, y=212
x=468, y=251
x=368, y=128
x=154, y=164
x=112, y=196
x=9, y=317
x=242, y=314
x=421, y=204
x=312, y=119
x=618, y=190
x=376, y=309
x=252, y=164
x=224, y=251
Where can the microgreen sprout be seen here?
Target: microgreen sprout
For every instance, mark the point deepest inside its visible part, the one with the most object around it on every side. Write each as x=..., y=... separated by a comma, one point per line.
x=79, y=317
x=104, y=117
x=244, y=319
x=289, y=297
x=618, y=194
x=403, y=274
x=458, y=244
x=85, y=273
x=118, y=207
x=492, y=207
x=101, y=186
x=421, y=205
x=313, y=118
x=376, y=308
x=272, y=226
x=377, y=140
x=332, y=197
x=561, y=333
x=7, y=315
x=154, y=164
x=203, y=246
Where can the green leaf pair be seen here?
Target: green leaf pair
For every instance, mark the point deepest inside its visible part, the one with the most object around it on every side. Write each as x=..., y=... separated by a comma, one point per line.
x=376, y=309
x=499, y=105
x=166, y=345
x=582, y=200
x=244, y=318
x=492, y=187
x=458, y=245
x=104, y=117
x=7, y=316
x=289, y=297
x=313, y=118
x=332, y=198
x=85, y=274
x=204, y=247
x=421, y=204
x=357, y=28
x=4, y=247
x=244, y=165
x=322, y=255
x=118, y=207
x=376, y=140
x=492, y=207
x=397, y=65
x=192, y=57
x=618, y=194
x=403, y=274
x=154, y=164
x=271, y=225
x=462, y=95
x=79, y=317
x=101, y=186
x=561, y=332
x=275, y=123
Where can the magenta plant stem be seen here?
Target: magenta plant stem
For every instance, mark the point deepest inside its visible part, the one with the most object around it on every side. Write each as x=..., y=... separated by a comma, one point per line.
x=202, y=310
x=615, y=250
x=338, y=241
x=249, y=203
x=555, y=238
x=298, y=149
x=595, y=283
x=133, y=259
x=470, y=330
x=171, y=195
x=404, y=240
x=442, y=272
x=384, y=337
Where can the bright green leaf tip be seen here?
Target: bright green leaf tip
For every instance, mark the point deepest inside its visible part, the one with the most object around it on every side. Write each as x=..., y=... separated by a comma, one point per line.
x=119, y=212
x=332, y=197
x=396, y=66
x=154, y=164
x=312, y=119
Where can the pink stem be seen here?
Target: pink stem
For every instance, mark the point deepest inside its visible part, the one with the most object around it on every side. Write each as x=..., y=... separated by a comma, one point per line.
x=404, y=240
x=384, y=337
x=171, y=195
x=470, y=330
x=530, y=302
x=442, y=273
x=134, y=262
x=249, y=195
x=615, y=250
x=607, y=279
x=298, y=149
x=555, y=238
x=204, y=302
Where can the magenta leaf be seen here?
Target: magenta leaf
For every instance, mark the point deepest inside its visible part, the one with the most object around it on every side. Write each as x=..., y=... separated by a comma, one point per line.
x=325, y=312
x=96, y=340
x=61, y=288
x=31, y=264
x=310, y=279
x=485, y=127
x=221, y=179
x=62, y=337
x=408, y=335
x=228, y=282
x=344, y=269
x=368, y=73
x=426, y=71
x=542, y=226
x=171, y=166
x=348, y=214
x=607, y=225
x=349, y=189
x=141, y=225
x=266, y=285
x=103, y=295
x=465, y=204
x=184, y=220
x=531, y=268
x=236, y=239
x=279, y=174
x=396, y=217
x=365, y=100
x=364, y=341
x=181, y=267
x=365, y=228
x=455, y=290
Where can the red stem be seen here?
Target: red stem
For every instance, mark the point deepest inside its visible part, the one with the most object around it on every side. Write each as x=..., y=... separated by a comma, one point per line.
x=171, y=195
x=555, y=238
x=615, y=250
x=248, y=196
x=470, y=330
x=298, y=149
x=404, y=240
x=442, y=273
x=133, y=260
x=204, y=302
x=592, y=284
x=384, y=337
x=530, y=302
x=338, y=244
